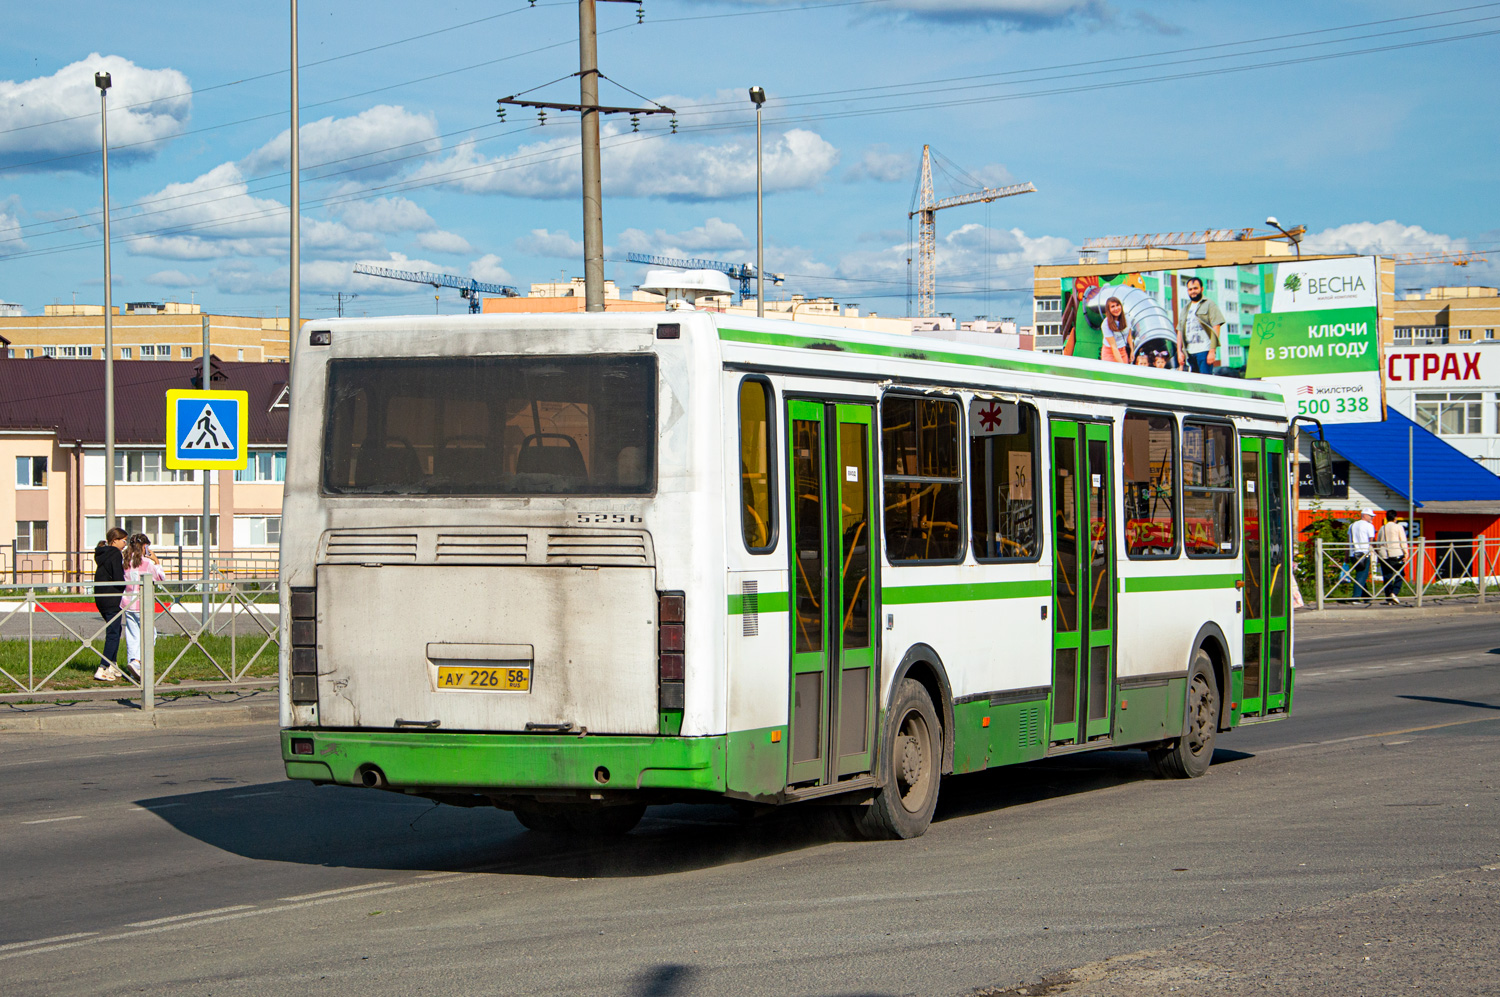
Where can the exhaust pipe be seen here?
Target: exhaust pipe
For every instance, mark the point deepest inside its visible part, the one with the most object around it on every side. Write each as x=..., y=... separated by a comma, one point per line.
x=371, y=777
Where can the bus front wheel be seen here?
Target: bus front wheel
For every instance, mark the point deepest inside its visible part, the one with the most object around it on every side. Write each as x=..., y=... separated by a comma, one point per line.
x=1190, y=755
x=911, y=768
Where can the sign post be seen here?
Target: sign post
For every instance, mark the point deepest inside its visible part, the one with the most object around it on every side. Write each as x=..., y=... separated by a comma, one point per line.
x=207, y=431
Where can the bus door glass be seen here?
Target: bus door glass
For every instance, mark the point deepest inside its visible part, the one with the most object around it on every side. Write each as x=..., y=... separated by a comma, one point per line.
x=1254, y=612
x=1277, y=580
x=1083, y=583
x=833, y=577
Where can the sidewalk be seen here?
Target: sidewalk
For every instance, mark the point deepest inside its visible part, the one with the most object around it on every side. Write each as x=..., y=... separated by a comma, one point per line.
x=200, y=704
x=1406, y=611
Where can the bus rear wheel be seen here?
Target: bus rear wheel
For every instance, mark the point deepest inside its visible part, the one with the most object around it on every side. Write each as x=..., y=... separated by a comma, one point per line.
x=580, y=821
x=911, y=769
x=1190, y=755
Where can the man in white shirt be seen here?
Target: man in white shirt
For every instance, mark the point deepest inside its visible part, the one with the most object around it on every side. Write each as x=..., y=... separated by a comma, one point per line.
x=1361, y=535
x=1390, y=547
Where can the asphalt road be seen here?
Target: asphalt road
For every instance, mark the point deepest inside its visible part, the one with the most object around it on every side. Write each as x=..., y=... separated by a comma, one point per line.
x=184, y=863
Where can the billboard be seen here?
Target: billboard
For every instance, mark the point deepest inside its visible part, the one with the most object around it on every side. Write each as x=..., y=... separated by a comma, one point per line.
x=1311, y=326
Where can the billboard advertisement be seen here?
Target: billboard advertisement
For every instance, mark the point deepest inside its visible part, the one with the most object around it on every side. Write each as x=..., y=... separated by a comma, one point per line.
x=1311, y=326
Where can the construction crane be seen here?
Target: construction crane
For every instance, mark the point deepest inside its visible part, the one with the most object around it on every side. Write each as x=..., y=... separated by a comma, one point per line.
x=468, y=287
x=1462, y=259
x=742, y=272
x=927, y=209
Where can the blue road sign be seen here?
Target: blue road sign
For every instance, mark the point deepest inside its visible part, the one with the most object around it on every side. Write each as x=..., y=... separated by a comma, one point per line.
x=207, y=430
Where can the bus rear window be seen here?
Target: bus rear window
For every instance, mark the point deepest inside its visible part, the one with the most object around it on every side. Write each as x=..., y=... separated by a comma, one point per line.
x=491, y=426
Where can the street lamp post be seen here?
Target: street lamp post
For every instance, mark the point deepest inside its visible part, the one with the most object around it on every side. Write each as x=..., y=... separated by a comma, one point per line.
x=103, y=82
x=758, y=96
x=1294, y=238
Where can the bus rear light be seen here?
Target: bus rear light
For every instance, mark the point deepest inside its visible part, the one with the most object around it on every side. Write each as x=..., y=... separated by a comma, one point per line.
x=671, y=641
x=304, y=661
x=303, y=603
x=302, y=746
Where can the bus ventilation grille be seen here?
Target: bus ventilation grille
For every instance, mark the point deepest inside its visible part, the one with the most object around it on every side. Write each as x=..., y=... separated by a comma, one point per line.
x=481, y=548
x=750, y=608
x=371, y=548
x=1029, y=726
x=597, y=548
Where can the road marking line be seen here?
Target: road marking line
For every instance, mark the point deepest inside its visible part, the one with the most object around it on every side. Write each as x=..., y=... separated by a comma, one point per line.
x=1363, y=737
x=440, y=875
x=246, y=796
x=45, y=941
x=330, y=893
x=53, y=820
x=184, y=917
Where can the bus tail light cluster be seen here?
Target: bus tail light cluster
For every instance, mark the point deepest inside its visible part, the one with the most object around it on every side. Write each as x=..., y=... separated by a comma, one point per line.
x=671, y=616
x=304, y=606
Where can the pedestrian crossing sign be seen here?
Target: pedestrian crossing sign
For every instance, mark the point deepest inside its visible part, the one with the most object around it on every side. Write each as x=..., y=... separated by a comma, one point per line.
x=207, y=430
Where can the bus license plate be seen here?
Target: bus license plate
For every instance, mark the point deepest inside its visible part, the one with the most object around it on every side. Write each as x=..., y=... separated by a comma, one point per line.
x=484, y=679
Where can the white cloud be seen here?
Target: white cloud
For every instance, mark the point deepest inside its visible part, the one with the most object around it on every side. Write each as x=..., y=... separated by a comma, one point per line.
x=372, y=136
x=173, y=278
x=1028, y=14
x=715, y=237
x=487, y=268
x=443, y=242
x=383, y=214
x=541, y=242
x=213, y=215
x=1368, y=238
x=55, y=116
x=10, y=226
x=645, y=165
x=321, y=275
x=880, y=164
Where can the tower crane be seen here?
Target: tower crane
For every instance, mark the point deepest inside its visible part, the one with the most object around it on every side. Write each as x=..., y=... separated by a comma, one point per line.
x=927, y=209
x=469, y=288
x=742, y=272
x=1458, y=259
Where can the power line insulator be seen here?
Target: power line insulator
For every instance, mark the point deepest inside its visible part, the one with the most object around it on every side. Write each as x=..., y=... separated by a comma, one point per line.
x=541, y=117
x=640, y=13
x=501, y=112
x=674, y=124
x=635, y=122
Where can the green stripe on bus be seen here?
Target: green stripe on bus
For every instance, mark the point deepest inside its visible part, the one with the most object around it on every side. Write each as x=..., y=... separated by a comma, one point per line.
x=943, y=356
x=769, y=602
x=1181, y=583
x=974, y=592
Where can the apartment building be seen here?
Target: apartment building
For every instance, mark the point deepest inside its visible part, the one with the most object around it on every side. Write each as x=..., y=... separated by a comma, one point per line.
x=142, y=330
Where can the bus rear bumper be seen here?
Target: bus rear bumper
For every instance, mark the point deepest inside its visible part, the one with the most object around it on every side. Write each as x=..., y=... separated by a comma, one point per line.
x=505, y=763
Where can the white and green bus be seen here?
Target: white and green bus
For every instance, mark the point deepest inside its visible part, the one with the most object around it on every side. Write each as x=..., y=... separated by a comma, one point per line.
x=571, y=566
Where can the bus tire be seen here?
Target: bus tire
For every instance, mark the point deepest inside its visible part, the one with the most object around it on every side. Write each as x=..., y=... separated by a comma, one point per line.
x=1190, y=755
x=911, y=768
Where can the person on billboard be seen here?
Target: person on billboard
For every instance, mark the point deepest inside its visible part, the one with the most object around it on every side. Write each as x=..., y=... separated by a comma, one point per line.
x=1119, y=338
x=1073, y=311
x=1198, y=332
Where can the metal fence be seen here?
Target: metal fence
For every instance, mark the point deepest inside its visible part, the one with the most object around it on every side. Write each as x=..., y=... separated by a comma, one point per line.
x=1430, y=571
x=178, y=563
x=52, y=637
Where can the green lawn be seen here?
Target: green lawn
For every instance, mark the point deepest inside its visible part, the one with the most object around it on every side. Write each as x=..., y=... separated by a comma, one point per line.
x=79, y=672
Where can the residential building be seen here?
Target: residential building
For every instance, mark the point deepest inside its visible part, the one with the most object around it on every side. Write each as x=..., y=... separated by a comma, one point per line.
x=142, y=330
x=1448, y=316
x=52, y=435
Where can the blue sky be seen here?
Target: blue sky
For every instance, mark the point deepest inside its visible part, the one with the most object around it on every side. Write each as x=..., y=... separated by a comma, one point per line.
x=1368, y=122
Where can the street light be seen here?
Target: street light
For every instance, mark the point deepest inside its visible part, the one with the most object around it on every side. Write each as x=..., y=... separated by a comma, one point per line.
x=1294, y=238
x=102, y=81
x=758, y=97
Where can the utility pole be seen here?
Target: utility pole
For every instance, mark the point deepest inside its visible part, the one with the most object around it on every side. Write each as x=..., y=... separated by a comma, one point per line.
x=203, y=527
x=102, y=81
x=758, y=97
x=294, y=316
x=589, y=109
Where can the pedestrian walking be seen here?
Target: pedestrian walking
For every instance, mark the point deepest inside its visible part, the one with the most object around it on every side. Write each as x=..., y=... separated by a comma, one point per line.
x=139, y=565
x=109, y=585
x=1361, y=535
x=1391, y=548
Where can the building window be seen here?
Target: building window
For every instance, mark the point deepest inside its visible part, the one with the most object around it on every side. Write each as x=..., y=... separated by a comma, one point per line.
x=177, y=531
x=923, y=478
x=30, y=353
x=1208, y=493
x=1049, y=304
x=70, y=351
x=85, y=351
x=187, y=353
x=148, y=351
x=1004, y=460
x=1450, y=413
x=1489, y=334
x=49, y=351
x=1465, y=335
x=264, y=465
x=31, y=535
x=1150, y=486
x=257, y=531
x=141, y=466
x=31, y=472
x=239, y=354
x=124, y=353
x=757, y=518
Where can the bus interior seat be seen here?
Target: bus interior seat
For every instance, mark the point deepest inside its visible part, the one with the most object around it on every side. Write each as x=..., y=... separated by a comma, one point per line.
x=565, y=460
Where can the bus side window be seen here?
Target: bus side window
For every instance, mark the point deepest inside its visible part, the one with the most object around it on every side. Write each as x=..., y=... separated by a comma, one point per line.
x=757, y=512
x=1004, y=454
x=1209, y=512
x=923, y=478
x=1150, y=480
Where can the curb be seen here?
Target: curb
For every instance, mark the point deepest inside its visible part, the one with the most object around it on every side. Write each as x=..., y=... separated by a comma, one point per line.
x=164, y=691
x=126, y=720
x=1384, y=613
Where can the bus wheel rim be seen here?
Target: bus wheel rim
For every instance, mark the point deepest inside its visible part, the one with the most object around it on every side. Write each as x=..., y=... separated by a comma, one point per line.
x=913, y=758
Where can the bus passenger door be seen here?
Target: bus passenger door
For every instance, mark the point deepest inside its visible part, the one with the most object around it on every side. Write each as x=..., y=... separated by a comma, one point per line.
x=833, y=680
x=1252, y=702
x=1083, y=583
x=1277, y=578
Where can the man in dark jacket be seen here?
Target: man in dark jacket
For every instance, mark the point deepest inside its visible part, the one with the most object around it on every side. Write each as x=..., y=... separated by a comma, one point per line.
x=109, y=574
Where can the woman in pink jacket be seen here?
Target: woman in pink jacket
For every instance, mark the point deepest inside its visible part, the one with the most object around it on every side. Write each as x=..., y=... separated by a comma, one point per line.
x=139, y=564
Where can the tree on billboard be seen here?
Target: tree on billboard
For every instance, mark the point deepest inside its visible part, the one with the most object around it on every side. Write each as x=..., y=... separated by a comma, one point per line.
x=1293, y=283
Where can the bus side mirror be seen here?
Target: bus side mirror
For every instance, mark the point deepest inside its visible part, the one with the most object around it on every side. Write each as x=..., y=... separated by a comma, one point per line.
x=1322, y=468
